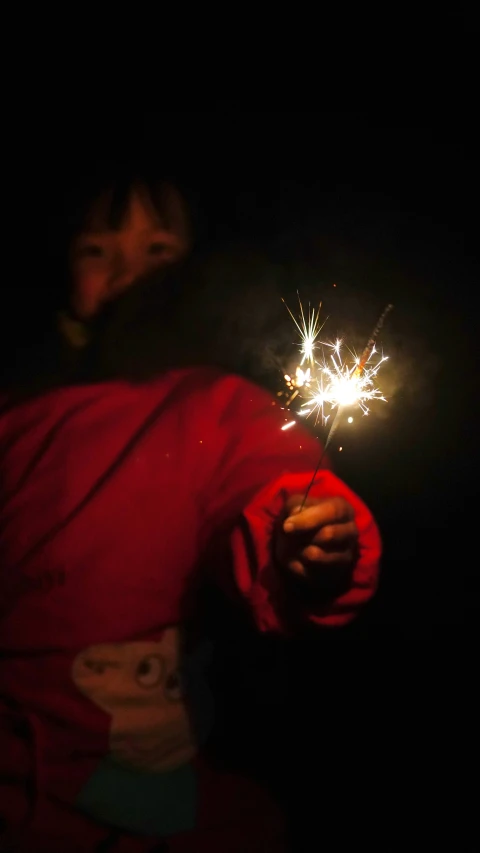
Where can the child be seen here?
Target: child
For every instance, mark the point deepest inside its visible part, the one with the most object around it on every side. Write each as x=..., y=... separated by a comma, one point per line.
x=119, y=500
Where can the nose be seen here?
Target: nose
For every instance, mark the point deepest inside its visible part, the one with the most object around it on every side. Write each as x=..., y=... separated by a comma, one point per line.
x=123, y=275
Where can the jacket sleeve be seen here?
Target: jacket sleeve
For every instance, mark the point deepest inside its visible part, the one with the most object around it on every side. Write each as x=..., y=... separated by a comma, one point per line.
x=256, y=467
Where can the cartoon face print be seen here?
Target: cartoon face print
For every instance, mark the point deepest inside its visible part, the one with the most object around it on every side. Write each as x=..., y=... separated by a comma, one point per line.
x=139, y=684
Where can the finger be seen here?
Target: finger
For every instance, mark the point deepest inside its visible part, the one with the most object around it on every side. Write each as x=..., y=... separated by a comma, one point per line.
x=313, y=554
x=331, y=511
x=297, y=567
x=336, y=534
x=313, y=563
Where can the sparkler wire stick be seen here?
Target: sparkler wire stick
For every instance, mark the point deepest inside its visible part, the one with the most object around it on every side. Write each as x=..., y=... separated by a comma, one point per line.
x=371, y=341
x=367, y=352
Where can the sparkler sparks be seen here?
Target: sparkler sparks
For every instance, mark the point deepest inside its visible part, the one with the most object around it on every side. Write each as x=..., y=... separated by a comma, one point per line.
x=345, y=386
x=309, y=328
x=340, y=384
x=334, y=382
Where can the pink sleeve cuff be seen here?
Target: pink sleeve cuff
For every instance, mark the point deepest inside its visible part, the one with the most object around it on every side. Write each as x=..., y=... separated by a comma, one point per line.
x=260, y=581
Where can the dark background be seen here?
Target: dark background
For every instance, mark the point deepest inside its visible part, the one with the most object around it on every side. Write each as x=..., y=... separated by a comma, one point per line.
x=372, y=732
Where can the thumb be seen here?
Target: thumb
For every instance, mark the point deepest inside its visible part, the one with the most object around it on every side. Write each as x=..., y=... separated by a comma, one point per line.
x=295, y=504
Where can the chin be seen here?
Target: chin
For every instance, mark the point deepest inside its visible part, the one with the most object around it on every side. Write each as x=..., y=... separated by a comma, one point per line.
x=156, y=760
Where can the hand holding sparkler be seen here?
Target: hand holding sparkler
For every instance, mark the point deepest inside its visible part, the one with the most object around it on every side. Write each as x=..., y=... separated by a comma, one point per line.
x=323, y=535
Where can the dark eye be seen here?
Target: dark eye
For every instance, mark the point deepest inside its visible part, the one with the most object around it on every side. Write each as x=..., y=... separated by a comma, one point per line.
x=95, y=666
x=156, y=249
x=149, y=671
x=91, y=251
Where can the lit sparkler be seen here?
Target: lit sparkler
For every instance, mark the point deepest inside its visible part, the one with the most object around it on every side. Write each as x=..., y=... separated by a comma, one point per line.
x=346, y=386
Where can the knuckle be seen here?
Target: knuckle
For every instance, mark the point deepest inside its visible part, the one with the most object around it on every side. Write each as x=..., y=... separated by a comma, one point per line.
x=328, y=533
x=338, y=507
x=344, y=509
x=312, y=553
x=296, y=567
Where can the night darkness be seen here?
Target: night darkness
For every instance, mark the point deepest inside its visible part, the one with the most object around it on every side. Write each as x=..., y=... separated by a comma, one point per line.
x=381, y=714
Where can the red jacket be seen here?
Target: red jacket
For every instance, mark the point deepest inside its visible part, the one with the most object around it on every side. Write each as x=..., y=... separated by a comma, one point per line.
x=111, y=499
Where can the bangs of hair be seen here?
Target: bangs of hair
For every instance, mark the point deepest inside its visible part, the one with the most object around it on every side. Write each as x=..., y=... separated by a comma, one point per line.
x=104, y=193
x=107, y=208
x=111, y=204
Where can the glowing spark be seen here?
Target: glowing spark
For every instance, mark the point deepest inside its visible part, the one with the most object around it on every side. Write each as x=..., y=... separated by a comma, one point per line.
x=309, y=328
x=342, y=384
x=290, y=424
x=350, y=420
x=302, y=377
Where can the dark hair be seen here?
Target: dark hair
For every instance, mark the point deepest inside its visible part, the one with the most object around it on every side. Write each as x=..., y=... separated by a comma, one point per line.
x=117, y=183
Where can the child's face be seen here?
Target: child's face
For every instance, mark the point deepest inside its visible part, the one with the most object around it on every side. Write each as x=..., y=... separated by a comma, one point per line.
x=105, y=262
